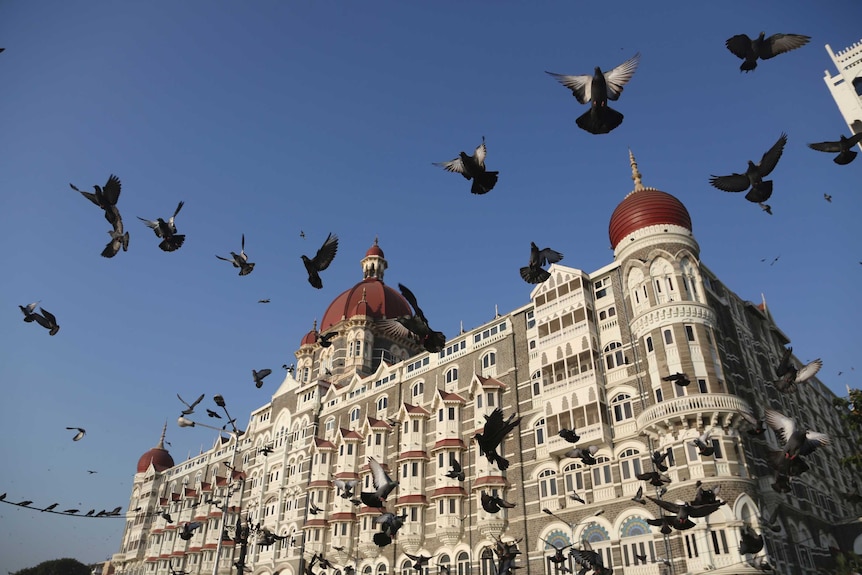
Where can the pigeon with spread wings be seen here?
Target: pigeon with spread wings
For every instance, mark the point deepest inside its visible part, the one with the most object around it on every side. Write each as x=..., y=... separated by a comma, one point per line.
x=383, y=485
x=321, y=260
x=841, y=147
x=240, y=260
x=763, y=48
x=167, y=230
x=759, y=190
x=533, y=272
x=47, y=320
x=413, y=326
x=473, y=167
x=492, y=435
x=797, y=440
x=259, y=375
x=105, y=197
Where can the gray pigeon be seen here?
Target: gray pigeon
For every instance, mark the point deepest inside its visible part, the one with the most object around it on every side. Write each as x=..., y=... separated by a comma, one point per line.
x=389, y=525
x=27, y=310
x=344, y=488
x=80, y=433
x=760, y=189
x=190, y=407
x=119, y=239
x=763, y=48
x=167, y=230
x=240, y=260
x=106, y=198
x=383, y=485
x=456, y=472
x=47, y=320
x=321, y=260
x=533, y=273
x=842, y=147
x=259, y=375
x=188, y=530
x=797, y=441
x=473, y=167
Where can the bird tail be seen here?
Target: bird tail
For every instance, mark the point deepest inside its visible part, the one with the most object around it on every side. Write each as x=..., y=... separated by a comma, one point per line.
x=534, y=275
x=599, y=120
x=748, y=65
x=247, y=268
x=760, y=192
x=502, y=462
x=382, y=539
x=54, y=330
x=845, y=158
x=484, y=182
x=172, y=243
x=126, y=242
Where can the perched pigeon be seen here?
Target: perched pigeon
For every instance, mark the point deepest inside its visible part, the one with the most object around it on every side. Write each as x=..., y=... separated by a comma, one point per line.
x=47, y=320
x=762, y=48
x=344, y=488
x=585, y=454
x=492, y=435
x=456, y=472
x=71, y=511
x=240, y=260
x=678, y=378
x=658, y=458
x=704, y=446
x=473, y=167
x=25, y=503
x=50, y=507
x=760, y=189
x=569, y=435
x=597, y=90
x=751, y=541
x=797, y=441
x=190, y=407
x=80, y=433
x=106, y=198
x=167, y=230
x=383, y=485
x=259, y=375
x=492, y=504
x=533, y=272
x=321, y=260
x=413, y=326
x=842, y=147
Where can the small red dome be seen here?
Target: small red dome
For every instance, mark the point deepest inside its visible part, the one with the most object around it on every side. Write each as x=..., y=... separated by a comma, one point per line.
x=381, y=301
x=646, y=207
x=310, y=338
x=374, y=251
x=159, y=457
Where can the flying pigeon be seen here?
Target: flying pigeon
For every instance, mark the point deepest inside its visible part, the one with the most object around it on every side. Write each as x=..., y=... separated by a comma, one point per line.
x=383, y=485
x=188, y=530
x=639, y=496
x=78, y=435
x=413, y=326
x=324, y=339
x=789, y=375
x=314, y=509
x=167, y=230
x=678, y=378
x=705, y=495
x=492, y=504
x=47, y=320
x=597, y=90
x=751, y=542
x=456, y=472
x=658, y=458
x=585, y=454
x=704, y=448
x=119, y=239
x=164, y=515
x=761, y=190
x=212, y=413
x=27, y=310
x=587, y=558
x=492, y=435
x=758, y=425
x=344, y=488
x=263, y=300
x=770, y=521
x=321, y=260
x=419, y=561
x=533, y=273
x=750, y=50
x=240, y=260
x=797, y=441
x=575, y=497
x=569, y=435
x=106, y=198
x=827, y=197
x=473, y=167
x=389, y=525
x=654, y=478
x=190, y=407
x=259, y=375
x=842, y=147
x=558, y=558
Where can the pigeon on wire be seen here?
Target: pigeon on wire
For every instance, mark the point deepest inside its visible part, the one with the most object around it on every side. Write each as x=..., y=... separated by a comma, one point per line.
x=456, y=472
x=240, y=260
x=797, y=440
x=190, y=407
x=759, y=190
x=413, y=326
x=50, y=507
x=585, y=454
x=569, y=435
x=597, y=90
x=383, y=485
x=533, y=273
x=789, y=375
x=167, y=230
x=80, y=433
x=492, y=503
x=321, y=260
x=473, y=167
x=259, y=375
x=703, y=444
x=106, y=198
x=678, y=378
x=763, y=48
x=492, y=435
x=389, y=525
x=47, y=320
x=841, y=147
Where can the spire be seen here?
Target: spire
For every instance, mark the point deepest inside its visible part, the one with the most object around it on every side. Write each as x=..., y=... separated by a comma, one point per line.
x=161, y=444
x=636, y=175
x=765, y=309
x=314, y=325
x=373, y=264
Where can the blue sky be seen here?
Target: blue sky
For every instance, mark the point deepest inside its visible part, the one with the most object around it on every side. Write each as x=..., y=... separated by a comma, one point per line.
x=268, y=118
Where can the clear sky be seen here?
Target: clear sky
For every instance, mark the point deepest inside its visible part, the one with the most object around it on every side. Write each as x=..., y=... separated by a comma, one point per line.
x=273, y=117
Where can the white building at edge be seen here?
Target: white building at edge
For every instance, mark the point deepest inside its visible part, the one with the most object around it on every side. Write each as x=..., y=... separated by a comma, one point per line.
x=846, y=86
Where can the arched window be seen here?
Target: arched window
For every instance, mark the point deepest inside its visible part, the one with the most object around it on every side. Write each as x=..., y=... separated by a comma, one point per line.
x=381, y=569
x=547, y=483
x=463, y=563
x=540, y=432
x=614, y=355
x=418, y=389
x=630, y=464
x=489, y=360
x=622, y=405
x=668, y=336
x=612, y=311
x=330, y=424
x=354, y=414
x=601, y=471
x=443, y=567
x=489, y=564
x=407, y=567
x=452, y=375
x=366, y=570
x=382, y=403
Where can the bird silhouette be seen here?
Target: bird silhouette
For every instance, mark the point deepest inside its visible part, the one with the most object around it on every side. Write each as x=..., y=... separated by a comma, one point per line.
x=569, y=435
x=842, y=147
x=190, y=407
x=119, y=238
x=763, y=48
x=80, y=433
x=654, y=477
x=704, y=447
x=167, y=230
x=50, y=507
x=314, y=509
x=789, y=375
x=344, y=488
x=597, y=90
x=751, y=542
x=71, y=511
x=575, y=497
x=827, y=197
x=212, y=413
x=585, y=454
x=321, y=260
x=27, y=310
x=759, y=190
x=639, y=496
x=240, y=260
x=419, y=561
x=492, y=503
x=106, y=198
x=796, y=439
x=259, y=375
x=758, y=424
x=263, y=300
x=89, y=513
x=493, y=433
x=658, y=458
x=383, y=485
x=456, y=472
x=188, y=529
x=588, y=558
x=533, y=273
x=678, y=378
x=47, y=320
x=389, y=525
x=325, y=339
x=413, y=326
x=473, y=167
x=24, y=503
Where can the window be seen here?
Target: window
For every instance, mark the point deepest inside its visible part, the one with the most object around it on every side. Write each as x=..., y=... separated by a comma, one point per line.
x=330, y=424
x=418, y=388
x=382, y=403
x=452, y=375
x=443, y=565
x=719, y=542
x=691, y=545
x=540, y=432
x=630, y=463
x=463, y=563
x=488, y=562
x=622, y=407
x=701, y=385
x=689, y=332
x=574, y=477
x=716, y=444
x=659, y=396
x=354, y=414
x=614, y=355
x=649, y=347
x=547, y=483
x=601, y=471
x=490, y=397
x=668, y=336
x=601, y=287
x=489, y=360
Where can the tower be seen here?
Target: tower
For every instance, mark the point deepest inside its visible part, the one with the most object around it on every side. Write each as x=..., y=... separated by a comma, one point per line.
x=846, y=87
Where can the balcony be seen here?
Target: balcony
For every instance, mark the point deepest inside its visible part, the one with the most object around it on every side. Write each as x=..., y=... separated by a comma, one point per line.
x=718, y=407
x=591, y=434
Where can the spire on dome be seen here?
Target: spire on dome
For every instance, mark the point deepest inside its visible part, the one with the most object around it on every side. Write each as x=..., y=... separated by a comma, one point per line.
x=636, y=175
x=373, y=264
x=314, y=325
x=161, y=444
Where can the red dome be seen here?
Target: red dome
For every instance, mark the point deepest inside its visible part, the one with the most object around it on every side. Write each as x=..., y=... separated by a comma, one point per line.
x=374, y=251
x=159, y=457
x=381, y=301
x=310, y=338
x=646, y=207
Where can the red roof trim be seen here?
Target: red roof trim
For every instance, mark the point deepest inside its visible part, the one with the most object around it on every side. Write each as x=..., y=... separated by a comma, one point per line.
x=416, y=409
x=190, y=492
x=319, y=483
x=448, y=397
x=408, y=499
x=314, y=523
x=346, y=475
x=490, y=480
x=490, y=382
x=343, y=516
x=175, y=496
x=450, y=442
x=439, y=492
x=206, y=486
x=323, y=444
x=416, y=454
x=378, y=423
x=349, y=434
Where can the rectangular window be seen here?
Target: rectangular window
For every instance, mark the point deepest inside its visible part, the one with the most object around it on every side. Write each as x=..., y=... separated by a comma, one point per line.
x=490, y=400
x=415, y=468
x=689, y=332
x=679, y=390
x=440, y=460
x=451, y=414
x=692, y=451
x=659, y=396
x=440, y=506
x=440, y=414
x=649, y=344
x=657, y=286
x=415, y=426
x=349, y=449
x=452, y=506
x=701, y=385
x=716, y=444
x=378, y=438
x=670, y=284
x=668, y=336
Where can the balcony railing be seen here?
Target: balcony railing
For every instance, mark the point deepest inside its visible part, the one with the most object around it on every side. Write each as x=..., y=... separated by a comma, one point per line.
x=691, y=404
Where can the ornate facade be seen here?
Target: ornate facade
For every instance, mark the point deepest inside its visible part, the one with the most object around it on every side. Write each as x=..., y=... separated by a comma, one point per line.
x=846, y=86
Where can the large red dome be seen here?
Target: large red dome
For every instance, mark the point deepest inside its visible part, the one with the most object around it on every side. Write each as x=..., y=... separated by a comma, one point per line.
x=646, y=207
x=159, y=457
x=380, y=301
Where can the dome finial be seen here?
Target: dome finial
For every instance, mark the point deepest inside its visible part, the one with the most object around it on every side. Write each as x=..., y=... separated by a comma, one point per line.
x=161, y=444
x=636, y=175
x=375, y=239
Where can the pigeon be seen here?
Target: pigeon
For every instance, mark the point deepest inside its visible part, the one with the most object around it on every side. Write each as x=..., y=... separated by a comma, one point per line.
x=321, y=260
x=678, y=378
x=212, y=413
x=760, y=189
x=585, y=454
x=639, y=496
x=641, y=558
x=589, y=559
x=419, y=561
x=654, y=477
x=456, y=472
x=762, y=48
x=705, y=495
x=344, y=488
x=314, y=509
x=492, y=504
x=27, y=310
x=119, y=239
x=758, y=424
x=842, y=147
x=24, y=503
x=575, y=497
x=324, y=339
x=473, y=167
x=789, y=375
x=3, y=496
x=670, y=522
x=240, y=260
x=569, y=435
x=703, y=447
x=263, y=300
x=78, y=435
x=259, y=375
x=106, y=198
x=751, y=541
x=658, y=458
x=558, y=558
x=50, y=507
x=492, y=435
x=266, y=450
x=597, y=90
x=389, y=526
x=413, y=326
x=71, y=511
x=167, y=230
x=827, y=197
x=47, y=320
x=533, y=273
x=770, y=521
x=797, y=441
x=89, y=513
x=383, y=485
x=114, y=512
x=188, y=530
x=190, y=407
x=765, y=207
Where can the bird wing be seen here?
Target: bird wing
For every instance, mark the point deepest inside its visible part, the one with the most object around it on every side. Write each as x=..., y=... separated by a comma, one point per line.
x=748, y=417
x=771, y=157
x=263, y=373
x=620, y=75
x=150, y=224
x=809, y=370
x=739, y=45
x=579, y=85
x=456, y=165
x=731, y=183
x=339, y=484
x=171, y=221
x=111, y=191
x=326, y=253
x=49, y=316
x=813, y=440
x=781, y=43
x=378, y=475
x=227, y=260
x=394, y=328
x=780, y=423
x=493, y=430
x=549, y=256
x=784, y=365
x=826, y=146
x=480, y=152
x=411, y=299
x=456, y=467
x=666, y=505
